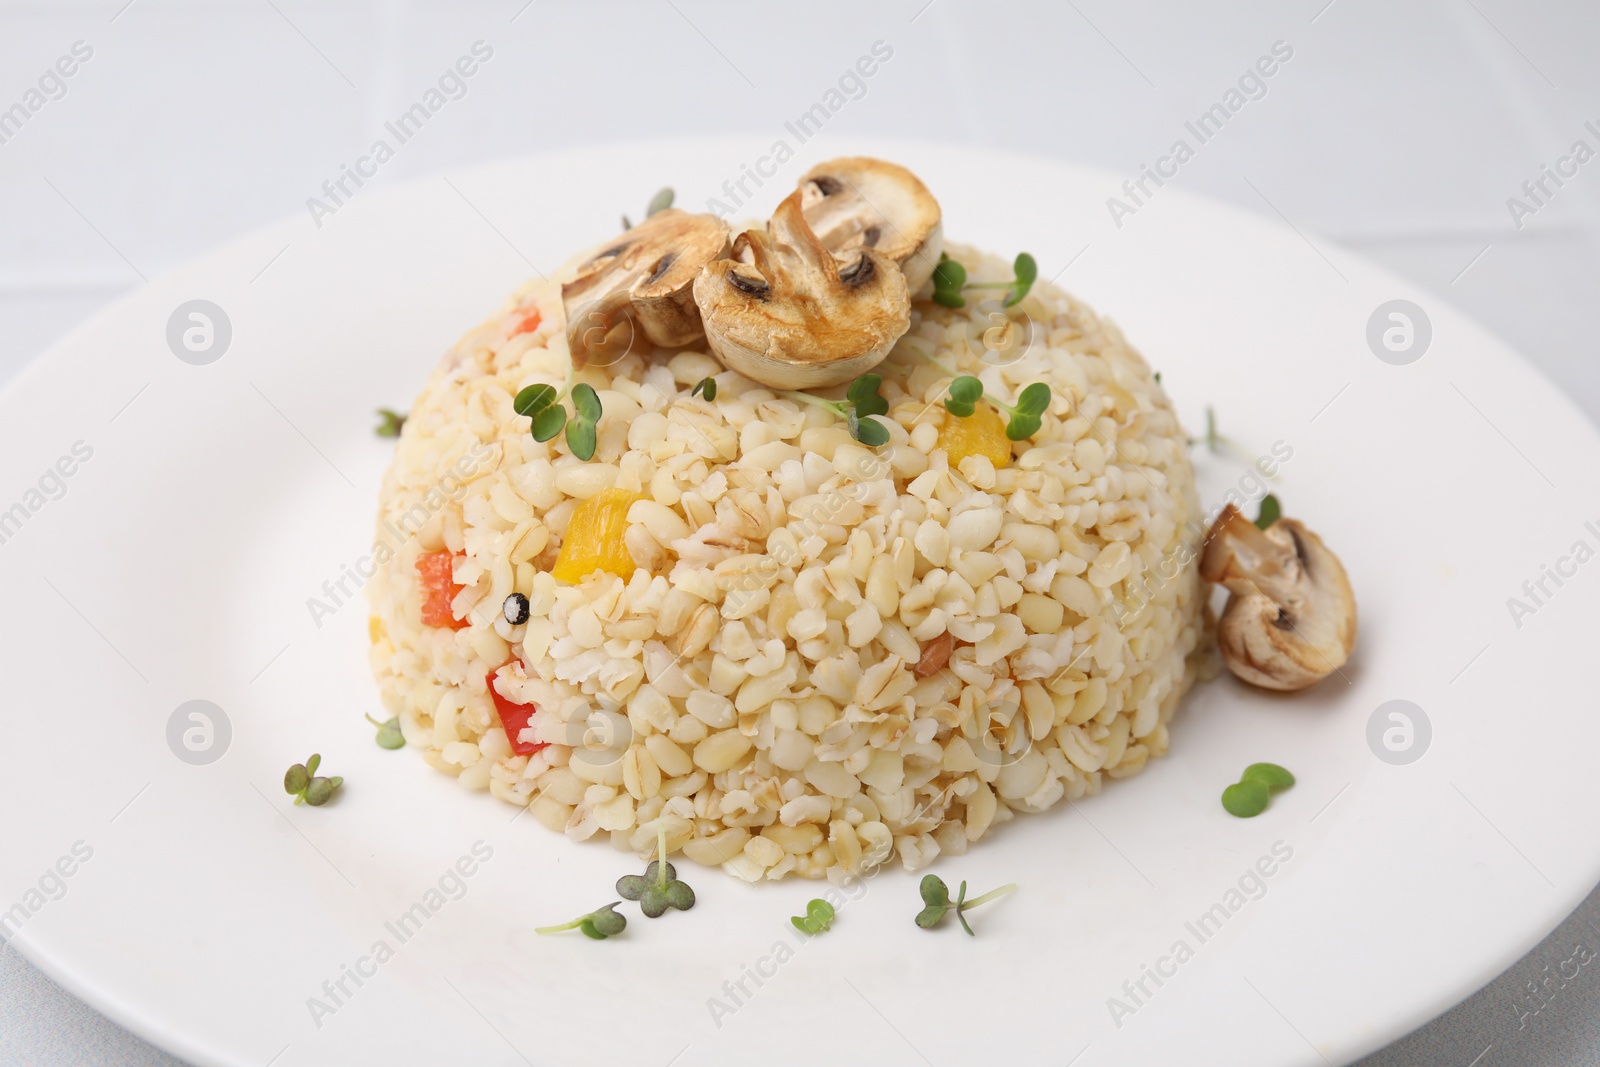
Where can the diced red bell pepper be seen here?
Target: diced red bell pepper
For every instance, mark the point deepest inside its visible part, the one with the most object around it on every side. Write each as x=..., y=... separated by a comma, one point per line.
x=438, y=590
x=529, y=323
x=514, y=718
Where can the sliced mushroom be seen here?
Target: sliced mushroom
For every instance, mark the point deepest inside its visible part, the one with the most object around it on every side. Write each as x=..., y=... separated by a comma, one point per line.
x=866, y=203
x=1291, y=618
x=645, y=275
x=784, y=312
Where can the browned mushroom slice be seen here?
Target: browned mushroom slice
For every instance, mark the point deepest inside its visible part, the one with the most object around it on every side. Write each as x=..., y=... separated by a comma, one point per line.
x=646, y=275
x=1291, y=618
x=782, y=311
x=858, y=202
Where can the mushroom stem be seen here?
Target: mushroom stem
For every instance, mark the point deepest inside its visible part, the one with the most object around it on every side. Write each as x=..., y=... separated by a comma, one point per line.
x=1245, y=560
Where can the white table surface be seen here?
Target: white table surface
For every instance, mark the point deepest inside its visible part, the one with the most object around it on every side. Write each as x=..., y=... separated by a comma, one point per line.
x=1400, y=128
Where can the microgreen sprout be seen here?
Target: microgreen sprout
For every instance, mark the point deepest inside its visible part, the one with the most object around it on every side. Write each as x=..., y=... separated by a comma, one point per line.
x=1248, y=797
x=598, y=924
x=1216, y=442
x=302, y=782
x=658, y=889
x=936, y=898
x=818, y=917
x=1032, y=402
x=389, y=735
x=1269, y=513
x=660, y=202
x=542, y=404
x=706, y=387
x=389, y=423
x=861, y=400
x=950, y=278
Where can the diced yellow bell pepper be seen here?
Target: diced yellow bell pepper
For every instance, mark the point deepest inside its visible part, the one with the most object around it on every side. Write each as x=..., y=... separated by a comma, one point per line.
x=983, y=433
x=594, y=538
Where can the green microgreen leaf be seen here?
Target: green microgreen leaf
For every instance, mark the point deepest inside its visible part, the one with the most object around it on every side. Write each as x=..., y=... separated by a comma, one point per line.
x=863, y=395
x=389, y=735
x=1269, y=513
x=586, y=402
x=1022, y=427
x=654, y=902
x=818, y=917
x=581, y=438
x=964, y=392
x=534, y=399
x=660, y=202
x=296, y=779
x=1270, y=775
x=936, y=897
x=1034, y=400
x=869, y=432
x=948, y=279
x=549, y=423
x=706, y=387
x=320, y=790
x=389, y=423
x=1026, y=271
x=1245, y=799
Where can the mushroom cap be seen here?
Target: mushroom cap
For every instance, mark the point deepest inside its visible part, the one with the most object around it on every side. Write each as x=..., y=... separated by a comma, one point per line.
x=646, y=275
x=1291, y=618
x=781, y=310
x=858, y=202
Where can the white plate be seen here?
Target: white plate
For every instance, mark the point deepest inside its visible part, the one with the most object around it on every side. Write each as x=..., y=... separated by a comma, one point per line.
x=220, y=497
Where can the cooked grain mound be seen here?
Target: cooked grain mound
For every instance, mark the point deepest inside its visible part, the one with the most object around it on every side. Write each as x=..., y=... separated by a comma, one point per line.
x=767, y=684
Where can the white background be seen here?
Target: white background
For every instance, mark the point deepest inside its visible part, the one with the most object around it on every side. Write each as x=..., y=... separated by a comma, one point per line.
x=1399, y=128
